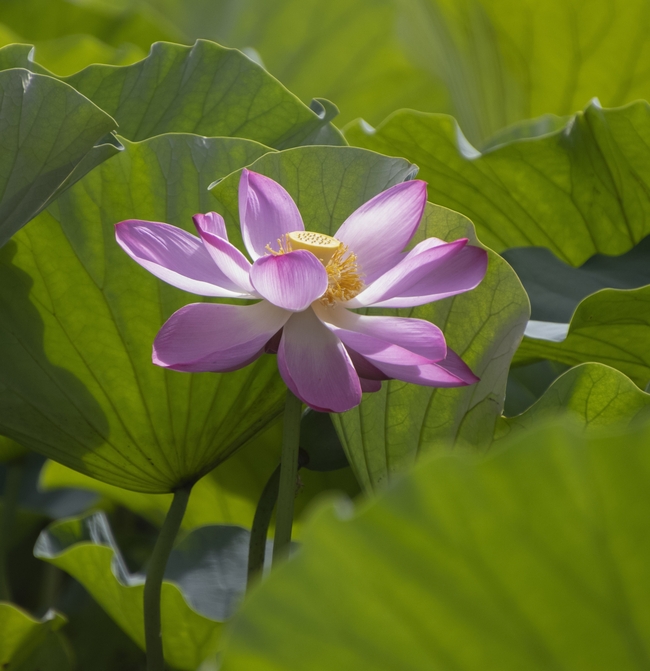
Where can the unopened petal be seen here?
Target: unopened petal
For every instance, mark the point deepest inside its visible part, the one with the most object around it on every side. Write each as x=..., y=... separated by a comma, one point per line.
x=176, y=257
x=379, y=230
x=266, y=212
x=291, y=281
x=315, y=365
x=209, y=337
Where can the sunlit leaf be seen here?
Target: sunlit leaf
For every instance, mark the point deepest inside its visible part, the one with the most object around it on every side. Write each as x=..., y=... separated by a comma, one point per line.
x=227, y=495
x=78, y=317
x=116, y=22
x=611, y=326
x=579, y=191
x=205, y=89
x=348, y=51
x=51, y=136
x=535, y=558
x=504, y=61
x=29, y=644
x=66, y=55
x=327, y=183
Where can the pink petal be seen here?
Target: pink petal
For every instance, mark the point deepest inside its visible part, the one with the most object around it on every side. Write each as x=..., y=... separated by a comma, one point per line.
x=415, y=335
x=455, y=365
x=175, y=256
x=365, y=370
x=266, y=213
x=380, y=229
x=211, y=223
x=413, y=268
x=369, y=386
x=315, y=365
x=400, y=364
x=230, y=261
x=454, y=275
x=204, y=337
x=291, y=281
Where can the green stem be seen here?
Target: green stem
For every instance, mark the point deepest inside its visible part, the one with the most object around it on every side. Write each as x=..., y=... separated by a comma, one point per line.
x=288, y=476
x=155, y=573
x=260, y=528
x=13, y=481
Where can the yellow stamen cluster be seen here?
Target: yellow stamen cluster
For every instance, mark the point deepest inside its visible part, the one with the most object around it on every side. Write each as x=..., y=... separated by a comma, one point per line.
x=343, y=276
x=344, y=279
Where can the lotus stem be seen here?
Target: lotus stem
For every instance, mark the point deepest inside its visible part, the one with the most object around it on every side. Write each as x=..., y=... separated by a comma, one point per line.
x=155, y=573
x=288, y=477
x=13, y=481
x=260, y=528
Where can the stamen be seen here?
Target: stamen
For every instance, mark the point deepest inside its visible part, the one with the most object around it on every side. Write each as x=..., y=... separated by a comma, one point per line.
x=344, y=278
x=284, y=246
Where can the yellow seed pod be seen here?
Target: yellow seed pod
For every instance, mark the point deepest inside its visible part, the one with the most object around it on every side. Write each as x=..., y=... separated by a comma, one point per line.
x=323, y=247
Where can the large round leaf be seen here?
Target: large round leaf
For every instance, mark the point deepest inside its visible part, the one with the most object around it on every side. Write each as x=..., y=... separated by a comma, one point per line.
x=327, y=183
x=51, y=137
x=226, y=495
x=578, y=191
x=611, y=326
x=78, y=317
x=28, y=644
x=595, y=396
x=205, y=89
x=533, y=559
x=503, y=61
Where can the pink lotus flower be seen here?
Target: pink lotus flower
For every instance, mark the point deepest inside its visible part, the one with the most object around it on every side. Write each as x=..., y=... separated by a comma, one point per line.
x=307, y=283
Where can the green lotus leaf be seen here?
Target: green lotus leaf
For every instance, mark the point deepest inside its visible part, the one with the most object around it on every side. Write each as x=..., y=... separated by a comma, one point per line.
x=579, y=191
x=86, y=315
x=10, y=449
x=204, y=89
x=29, y=644
x=595, y=396
x=611, y=326
x=85, y=548
x=116, y=22
x=555, y=289
x=489, y=63
x=226, y=495
x=348, y=51
x=327, y=183
x=66, y=55
x=504, y=61
x=51, y=137
x=534, y=558
x=527, y=383
x=78, y=318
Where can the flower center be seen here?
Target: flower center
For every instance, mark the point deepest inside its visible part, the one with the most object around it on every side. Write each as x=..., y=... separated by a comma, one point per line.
x=323, y=247
x=344, y=278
